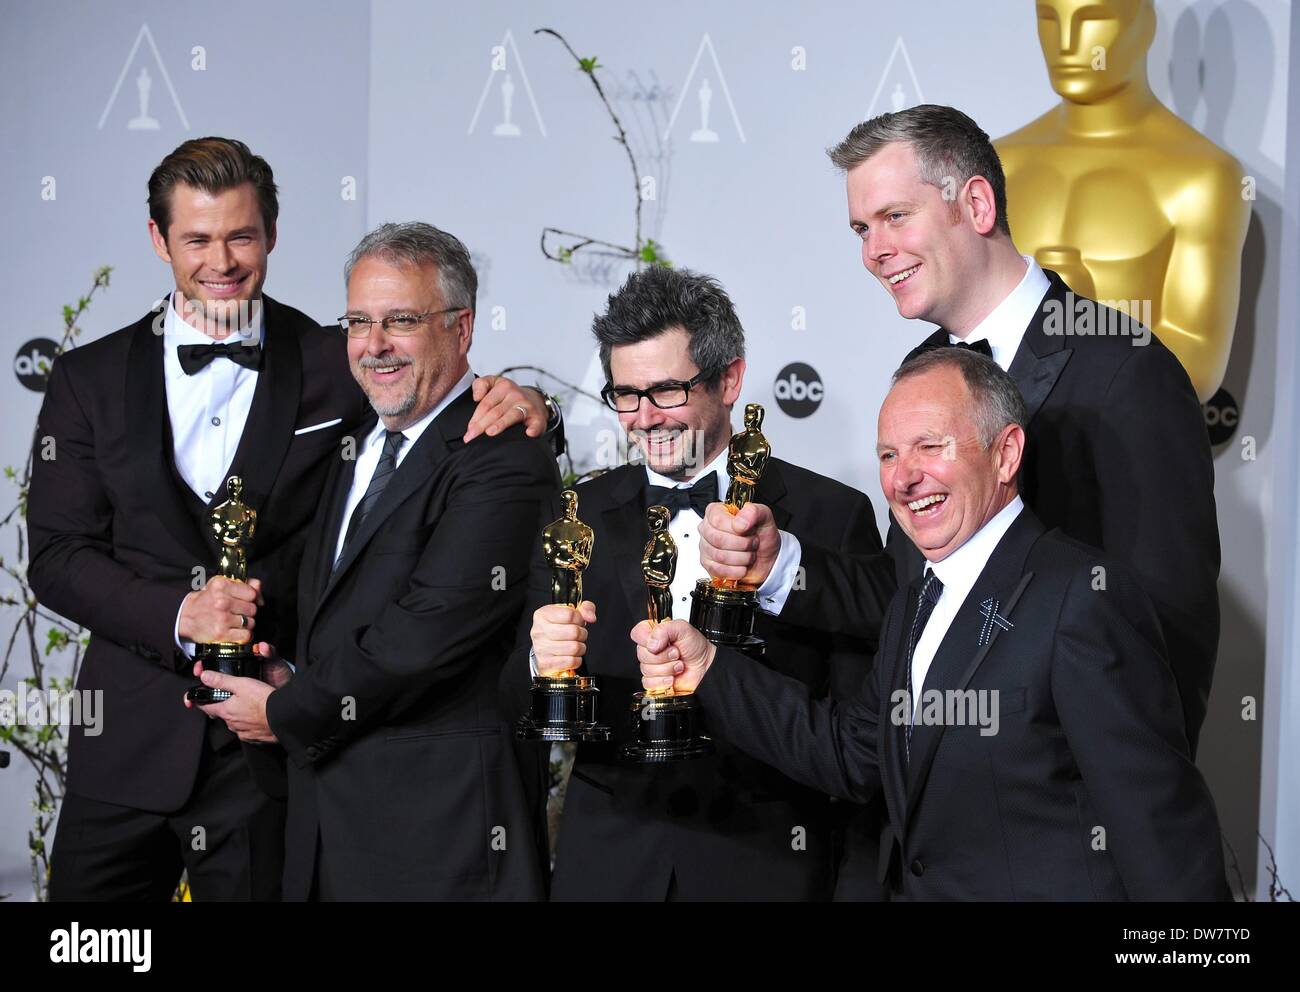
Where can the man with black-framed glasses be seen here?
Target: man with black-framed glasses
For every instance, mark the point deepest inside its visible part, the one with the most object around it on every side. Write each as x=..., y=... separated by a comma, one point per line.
x=722, y=827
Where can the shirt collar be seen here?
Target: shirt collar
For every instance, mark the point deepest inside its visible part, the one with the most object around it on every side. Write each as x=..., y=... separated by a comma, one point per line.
x=960, y=569
x=1006, y=324
x=719, y=465
x=412, y=433
x=177, y=331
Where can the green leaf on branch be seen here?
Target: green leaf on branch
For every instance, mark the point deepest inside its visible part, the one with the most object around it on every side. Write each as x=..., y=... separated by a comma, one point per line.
x=56, y=640
x=589, y=65
x=652, y=254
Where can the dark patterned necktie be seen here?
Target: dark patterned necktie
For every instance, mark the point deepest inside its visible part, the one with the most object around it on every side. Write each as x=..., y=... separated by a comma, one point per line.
x=931, y=590
x=678, y=498
x=378, y=482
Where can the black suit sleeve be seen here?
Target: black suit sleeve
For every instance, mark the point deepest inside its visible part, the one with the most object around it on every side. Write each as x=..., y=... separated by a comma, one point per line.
x=1118, y=705
x=445, y=616
x=846, y=589
x=829, y=746
x=72, y=569
x=1155, y=477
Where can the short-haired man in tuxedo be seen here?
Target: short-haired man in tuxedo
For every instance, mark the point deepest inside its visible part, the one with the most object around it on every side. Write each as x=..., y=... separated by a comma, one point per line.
x=217, y=380
x=722, y=827
x=405, y=781
x=1021, y=719
x=1114, y=425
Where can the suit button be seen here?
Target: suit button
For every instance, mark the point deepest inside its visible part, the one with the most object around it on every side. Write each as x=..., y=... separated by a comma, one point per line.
x=313, y=751
x=918, y=869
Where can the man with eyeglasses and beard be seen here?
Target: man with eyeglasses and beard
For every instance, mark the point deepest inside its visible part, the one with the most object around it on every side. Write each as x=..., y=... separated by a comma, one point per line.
x=723, y=827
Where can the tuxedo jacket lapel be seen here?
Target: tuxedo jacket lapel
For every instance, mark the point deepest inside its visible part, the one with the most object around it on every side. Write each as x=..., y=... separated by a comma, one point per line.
x=960, y=652
x=415, y=471
x=148, y=438
x=1041, y=357
x=625, y=523
x=269, y=428
x=893, y=754
x=771, y=492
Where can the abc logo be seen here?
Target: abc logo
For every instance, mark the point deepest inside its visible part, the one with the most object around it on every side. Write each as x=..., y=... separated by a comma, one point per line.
x=1221, y=417
x=798, y=390
x=32, y=363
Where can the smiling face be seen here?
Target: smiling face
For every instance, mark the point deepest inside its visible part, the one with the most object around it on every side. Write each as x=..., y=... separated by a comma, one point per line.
x=942, y=484
x=668, y=438
x=405, y=376
x=920, y=247
x=1094, y=48
x=217, y=247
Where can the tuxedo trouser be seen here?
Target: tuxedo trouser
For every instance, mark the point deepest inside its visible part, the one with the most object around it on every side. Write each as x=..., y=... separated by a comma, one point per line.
x=229, y=837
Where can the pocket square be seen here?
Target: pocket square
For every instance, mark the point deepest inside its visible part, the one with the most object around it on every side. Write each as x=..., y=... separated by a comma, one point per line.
x=318, y=427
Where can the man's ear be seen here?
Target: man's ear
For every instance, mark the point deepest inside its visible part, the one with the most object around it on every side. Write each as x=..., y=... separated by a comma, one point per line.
x=464, y=331
x=981, y=204
x=270, y=238
x=733, y=377
x=159, y=242
x=1010, y=447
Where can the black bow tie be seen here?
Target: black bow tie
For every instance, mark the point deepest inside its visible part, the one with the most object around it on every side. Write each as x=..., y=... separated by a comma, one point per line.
x=982, y=346
x=678, y=498
x=195, y=356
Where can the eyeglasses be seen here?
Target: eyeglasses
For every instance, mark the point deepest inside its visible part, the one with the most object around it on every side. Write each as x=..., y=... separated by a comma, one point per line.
x=396, y=324
x=665, y=395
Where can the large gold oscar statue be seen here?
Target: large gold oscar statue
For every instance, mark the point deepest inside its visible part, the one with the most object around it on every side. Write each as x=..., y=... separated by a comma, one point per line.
x=1116, y=194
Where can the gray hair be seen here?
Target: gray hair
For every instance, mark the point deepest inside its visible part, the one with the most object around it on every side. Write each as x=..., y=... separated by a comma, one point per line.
x=947, y=144
x=417, y=243
x=658, y=299
x=996, y=397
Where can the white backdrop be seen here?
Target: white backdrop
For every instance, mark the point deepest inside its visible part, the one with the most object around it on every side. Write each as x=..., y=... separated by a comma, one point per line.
x=392, y=110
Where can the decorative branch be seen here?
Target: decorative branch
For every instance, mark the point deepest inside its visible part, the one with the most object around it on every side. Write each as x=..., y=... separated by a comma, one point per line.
x=45, y=747
x=646, y=252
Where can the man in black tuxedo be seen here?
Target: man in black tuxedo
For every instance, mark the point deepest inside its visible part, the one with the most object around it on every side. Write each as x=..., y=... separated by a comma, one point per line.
x=726, y=826
x=1117, y=454
x=405, y=781
x=147, y=424
x=1021, y=719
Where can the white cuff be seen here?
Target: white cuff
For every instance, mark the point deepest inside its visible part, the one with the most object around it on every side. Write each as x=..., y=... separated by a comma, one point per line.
x=780, y=581
x=532, y=662
x=185, y=645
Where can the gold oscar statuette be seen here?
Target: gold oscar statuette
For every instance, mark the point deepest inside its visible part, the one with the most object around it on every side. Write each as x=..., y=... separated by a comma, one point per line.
x=726, y=610
x=666, y=726
x=233, y=524
x=563, y=705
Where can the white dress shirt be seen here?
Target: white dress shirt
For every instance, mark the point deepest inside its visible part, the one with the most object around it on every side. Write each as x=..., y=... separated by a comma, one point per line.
x=1005, y=326
x=958, y=573
x=373, y=447
x=208, y=410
